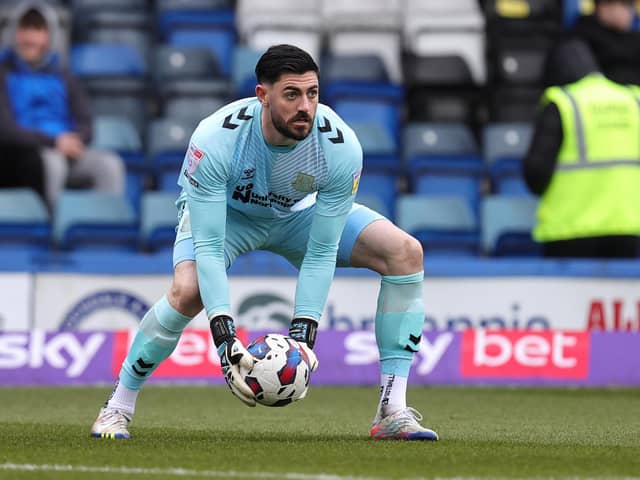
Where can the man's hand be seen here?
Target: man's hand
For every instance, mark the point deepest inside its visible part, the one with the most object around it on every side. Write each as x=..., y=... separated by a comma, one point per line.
x=303, y=330
x=235, y=360
x=70, y=145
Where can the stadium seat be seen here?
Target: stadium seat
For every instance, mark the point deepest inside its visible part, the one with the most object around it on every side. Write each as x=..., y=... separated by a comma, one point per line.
x=200, y=14
x=119, y=134
x=220, y=42
x=382, y=187
x=168, y=139
x=441, y=28
x=514, y=104
x=444, y=224
x=110, y=70
x=243, y=75
x=132, y=106
x=507, y=222
x=361, y=76
x=440, y=147
x=524, y=16
x=380, y=151
x=297, y=22
x=504, y=147
x=520, y=61
x=187, y=71
x=192, y=109
x=24, y=220
x=381, y=112
x=366, y=27
x=158, y=220
x=91, y=220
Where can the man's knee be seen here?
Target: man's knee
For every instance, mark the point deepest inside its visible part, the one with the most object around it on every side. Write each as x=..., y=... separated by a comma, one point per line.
x=184, y=294
x=412, y=253
x=109, y=171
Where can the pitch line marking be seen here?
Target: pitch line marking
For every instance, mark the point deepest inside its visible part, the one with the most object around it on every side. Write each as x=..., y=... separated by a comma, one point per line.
x=184, y=472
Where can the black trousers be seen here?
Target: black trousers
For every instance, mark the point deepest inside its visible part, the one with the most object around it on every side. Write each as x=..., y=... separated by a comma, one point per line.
x=21, y=167
x=612, y=246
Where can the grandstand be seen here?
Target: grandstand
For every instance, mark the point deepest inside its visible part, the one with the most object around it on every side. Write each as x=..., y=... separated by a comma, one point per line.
x=442, y=94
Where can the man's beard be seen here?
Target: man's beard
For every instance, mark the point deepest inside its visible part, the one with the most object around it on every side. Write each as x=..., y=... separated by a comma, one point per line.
x=284, y=130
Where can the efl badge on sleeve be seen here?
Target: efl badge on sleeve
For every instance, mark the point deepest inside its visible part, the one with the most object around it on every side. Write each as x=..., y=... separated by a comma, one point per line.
x=356, y=182
x=194, y=156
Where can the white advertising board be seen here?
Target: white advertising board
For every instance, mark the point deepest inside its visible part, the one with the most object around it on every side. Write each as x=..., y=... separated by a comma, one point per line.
x=15, y=301
x=111, y=302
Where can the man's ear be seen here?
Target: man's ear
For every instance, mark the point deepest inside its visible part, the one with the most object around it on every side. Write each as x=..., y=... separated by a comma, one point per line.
x=262, y=94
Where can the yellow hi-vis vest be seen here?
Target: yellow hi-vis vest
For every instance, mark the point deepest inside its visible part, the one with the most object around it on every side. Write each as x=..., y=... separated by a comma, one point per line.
x=595, y=188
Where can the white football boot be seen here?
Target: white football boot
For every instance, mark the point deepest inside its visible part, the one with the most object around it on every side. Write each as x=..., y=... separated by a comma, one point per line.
x=402, y=425
x=111, y=423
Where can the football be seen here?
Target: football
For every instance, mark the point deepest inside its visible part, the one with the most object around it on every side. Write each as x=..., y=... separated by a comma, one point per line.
x=281, y=372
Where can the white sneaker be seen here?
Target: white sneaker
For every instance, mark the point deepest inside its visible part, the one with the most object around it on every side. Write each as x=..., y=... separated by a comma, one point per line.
x=402, y=425
x=111, y=423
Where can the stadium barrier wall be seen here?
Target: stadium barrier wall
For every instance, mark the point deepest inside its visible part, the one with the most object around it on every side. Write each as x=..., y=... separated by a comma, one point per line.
x=75, y=301
x=471, y=357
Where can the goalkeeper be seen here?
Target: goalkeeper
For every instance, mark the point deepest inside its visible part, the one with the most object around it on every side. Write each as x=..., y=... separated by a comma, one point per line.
x=279, y=172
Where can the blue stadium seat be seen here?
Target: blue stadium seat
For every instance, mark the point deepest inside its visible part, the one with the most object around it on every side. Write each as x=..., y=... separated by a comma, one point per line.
x=107, y=60
x=504, y=147
x=119, y=134
x=91, y=220
x=158, y=220
x=220, y=41
x=167, y=142
x=110, y=69
x=24, y=220
x=383, y=187
x=362, y=76
x=243, y=75
x=444, y=224
x=260, y=262
x=380, y=152
x=201, y=14
x=381, y=112
x=507, y=222
x=441, y=156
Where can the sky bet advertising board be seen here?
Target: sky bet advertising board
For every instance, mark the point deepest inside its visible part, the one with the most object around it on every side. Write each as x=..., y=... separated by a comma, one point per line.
x=470, y=357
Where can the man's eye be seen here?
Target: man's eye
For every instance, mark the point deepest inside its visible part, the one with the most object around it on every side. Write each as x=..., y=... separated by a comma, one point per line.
x=313, y=94
x=291, y=96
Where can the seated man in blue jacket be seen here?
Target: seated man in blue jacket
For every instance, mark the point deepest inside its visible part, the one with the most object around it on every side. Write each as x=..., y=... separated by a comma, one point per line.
x=43, y=106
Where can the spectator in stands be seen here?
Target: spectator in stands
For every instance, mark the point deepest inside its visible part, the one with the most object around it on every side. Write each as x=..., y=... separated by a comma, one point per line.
x=609, y=34
x=584, y=161
x=43, y=106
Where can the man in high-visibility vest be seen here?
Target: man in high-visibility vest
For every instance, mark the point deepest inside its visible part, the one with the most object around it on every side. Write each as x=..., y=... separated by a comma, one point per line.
x=584, y=162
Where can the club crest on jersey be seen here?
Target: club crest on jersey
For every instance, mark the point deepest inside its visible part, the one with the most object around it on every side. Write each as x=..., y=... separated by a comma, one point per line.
x=304, y=183
x=194, y=156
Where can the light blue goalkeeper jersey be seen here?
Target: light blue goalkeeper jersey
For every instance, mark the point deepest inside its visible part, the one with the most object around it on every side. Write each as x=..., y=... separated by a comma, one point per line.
x=229, y=165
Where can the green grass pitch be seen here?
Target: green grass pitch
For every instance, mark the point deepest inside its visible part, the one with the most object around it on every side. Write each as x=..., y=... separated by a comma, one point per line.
x=204, y=432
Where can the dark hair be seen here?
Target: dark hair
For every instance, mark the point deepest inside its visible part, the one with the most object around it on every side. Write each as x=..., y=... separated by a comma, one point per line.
x=569, y=62
x=33, y=18
x=281, y=59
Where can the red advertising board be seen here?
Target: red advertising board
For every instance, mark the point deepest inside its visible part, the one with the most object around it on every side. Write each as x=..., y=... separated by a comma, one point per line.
x=525, y=354
x=194, y=357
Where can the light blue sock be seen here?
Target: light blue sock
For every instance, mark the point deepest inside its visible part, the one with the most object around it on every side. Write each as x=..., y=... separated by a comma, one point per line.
x=157, y=337
x=399, y=321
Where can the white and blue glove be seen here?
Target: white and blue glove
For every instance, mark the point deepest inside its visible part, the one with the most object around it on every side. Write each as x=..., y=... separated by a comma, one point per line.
x=235, y=360
x=303, y=330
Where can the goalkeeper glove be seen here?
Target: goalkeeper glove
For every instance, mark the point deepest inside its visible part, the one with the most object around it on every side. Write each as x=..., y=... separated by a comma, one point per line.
x=235, y=360
x=303, y=330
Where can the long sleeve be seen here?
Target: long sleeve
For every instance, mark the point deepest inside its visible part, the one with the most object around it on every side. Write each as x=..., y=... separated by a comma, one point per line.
x=540, y=161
